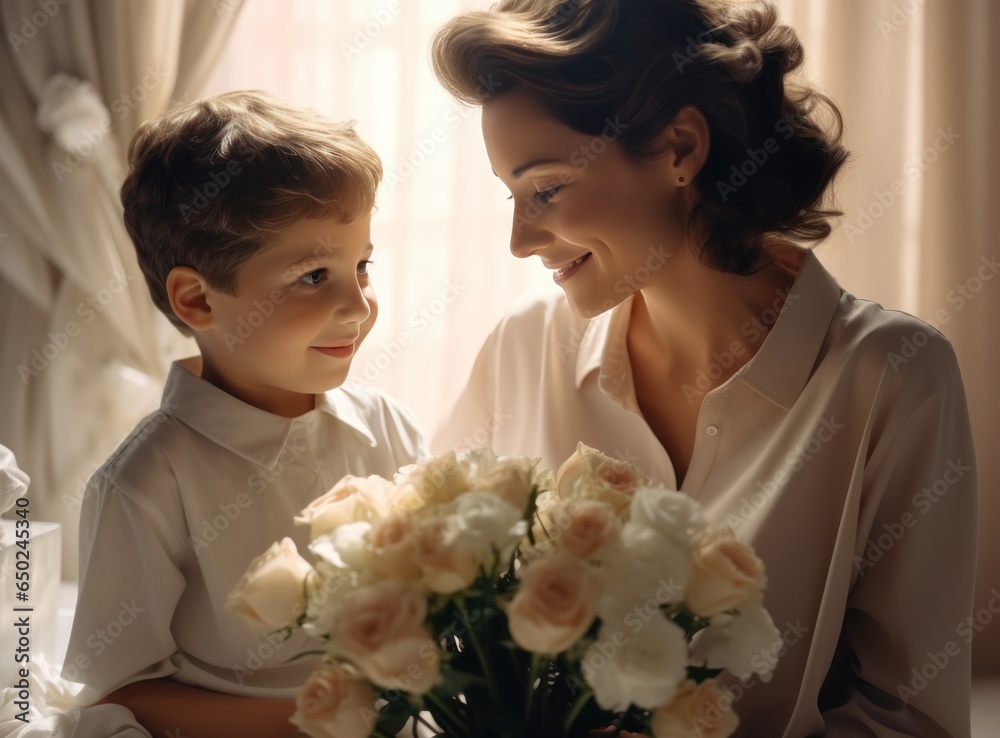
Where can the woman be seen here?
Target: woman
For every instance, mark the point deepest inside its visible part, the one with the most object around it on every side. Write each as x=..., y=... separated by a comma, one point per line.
x=665, y=165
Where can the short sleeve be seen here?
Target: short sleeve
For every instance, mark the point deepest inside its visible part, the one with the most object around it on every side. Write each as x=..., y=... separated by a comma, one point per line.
x=903, y=661
x=129, y=586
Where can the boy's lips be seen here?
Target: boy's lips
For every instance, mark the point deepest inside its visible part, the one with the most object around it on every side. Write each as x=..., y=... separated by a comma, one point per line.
x=339, y=350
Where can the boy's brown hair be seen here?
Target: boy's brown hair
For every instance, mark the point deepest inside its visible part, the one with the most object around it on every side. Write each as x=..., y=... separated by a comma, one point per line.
x=212, y=180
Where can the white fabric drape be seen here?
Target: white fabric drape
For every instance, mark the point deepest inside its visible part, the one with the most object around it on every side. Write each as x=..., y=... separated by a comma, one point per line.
x=84, y=350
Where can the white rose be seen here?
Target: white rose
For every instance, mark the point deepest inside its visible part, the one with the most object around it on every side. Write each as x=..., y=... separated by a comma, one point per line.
x=673, y=514
x=352, y=499
x=590, y=474
x=647, y=570
x=334, y=703
x=345, y=547
x=643, y=668
x=272, y=593
x=744, y=644
x=477, y=461
x=484, y=522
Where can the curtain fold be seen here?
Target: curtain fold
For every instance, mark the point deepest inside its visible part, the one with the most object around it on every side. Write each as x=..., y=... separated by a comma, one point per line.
x=919, y=90
x=84, y=350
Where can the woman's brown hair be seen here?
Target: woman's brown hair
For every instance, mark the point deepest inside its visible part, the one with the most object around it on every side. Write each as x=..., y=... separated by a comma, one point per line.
x=771, y=158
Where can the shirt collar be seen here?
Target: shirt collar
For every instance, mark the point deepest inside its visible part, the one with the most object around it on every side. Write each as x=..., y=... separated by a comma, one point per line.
x=780, y=369
x=254, y=434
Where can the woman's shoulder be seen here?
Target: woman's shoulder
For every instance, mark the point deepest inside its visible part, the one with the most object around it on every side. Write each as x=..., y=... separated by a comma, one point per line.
x=538, y=316
x=892, y=344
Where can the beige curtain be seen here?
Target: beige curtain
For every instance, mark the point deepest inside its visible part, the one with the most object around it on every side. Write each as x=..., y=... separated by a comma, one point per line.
x=918, y=84
x=84, y=352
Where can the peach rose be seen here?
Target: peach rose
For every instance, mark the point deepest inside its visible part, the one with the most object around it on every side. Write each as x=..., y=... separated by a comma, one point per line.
x=724, y=573
x=697, y=711
x=391, y=549
x=271, y=594
x=445, y=568
x=381, y=630
x=351, y=500
x=590, y=474
x=555, y=605
x=334, y=703
x=583, y=527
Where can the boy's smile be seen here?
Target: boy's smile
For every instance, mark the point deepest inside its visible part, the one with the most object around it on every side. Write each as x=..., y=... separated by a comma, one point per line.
x=302, y=307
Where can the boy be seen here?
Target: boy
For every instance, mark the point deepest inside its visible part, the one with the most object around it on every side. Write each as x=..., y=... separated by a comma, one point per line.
x=251, y=224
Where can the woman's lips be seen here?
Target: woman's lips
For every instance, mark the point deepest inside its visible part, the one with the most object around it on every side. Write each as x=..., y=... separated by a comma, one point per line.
x=340, y=352
x=561, y=274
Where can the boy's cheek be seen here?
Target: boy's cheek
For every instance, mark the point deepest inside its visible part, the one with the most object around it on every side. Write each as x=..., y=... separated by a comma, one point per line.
x=369, y=322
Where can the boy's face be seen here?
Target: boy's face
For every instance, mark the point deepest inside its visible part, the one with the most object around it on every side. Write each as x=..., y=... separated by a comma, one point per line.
x=302, y=307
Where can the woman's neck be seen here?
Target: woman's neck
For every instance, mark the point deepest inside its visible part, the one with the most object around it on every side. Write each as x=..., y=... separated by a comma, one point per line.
x=695, y=317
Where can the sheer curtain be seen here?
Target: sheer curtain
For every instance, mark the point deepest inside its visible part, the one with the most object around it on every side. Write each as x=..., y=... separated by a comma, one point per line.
x=442, y=269
x=84, y=352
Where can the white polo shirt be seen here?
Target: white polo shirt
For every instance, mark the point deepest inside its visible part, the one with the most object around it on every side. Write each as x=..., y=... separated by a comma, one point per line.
x=170, y=522
x=842, y=452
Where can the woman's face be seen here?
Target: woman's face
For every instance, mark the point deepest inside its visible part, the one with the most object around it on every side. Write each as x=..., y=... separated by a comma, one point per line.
x=605, y=224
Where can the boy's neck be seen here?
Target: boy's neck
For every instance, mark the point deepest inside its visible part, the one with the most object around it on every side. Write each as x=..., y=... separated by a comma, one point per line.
x=285, y=404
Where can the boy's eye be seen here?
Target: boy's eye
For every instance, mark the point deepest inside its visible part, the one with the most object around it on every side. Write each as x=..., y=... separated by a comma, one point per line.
x=314, y=278
x=363, y=266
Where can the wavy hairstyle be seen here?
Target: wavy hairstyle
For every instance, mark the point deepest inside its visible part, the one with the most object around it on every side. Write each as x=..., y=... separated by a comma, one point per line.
x=771, y=158
x=213, y=181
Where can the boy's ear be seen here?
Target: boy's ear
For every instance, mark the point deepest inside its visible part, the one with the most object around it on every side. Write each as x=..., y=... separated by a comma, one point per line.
x=188, y=292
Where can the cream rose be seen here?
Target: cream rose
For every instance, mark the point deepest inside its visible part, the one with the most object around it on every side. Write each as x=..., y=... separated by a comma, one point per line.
x=351, y=500
x=391, y=549
x=334, y=703
x=555, y=605
x=444, y=568
x=509, y=479
x=381, y=630
x=590, y=474
x=724, y=573
x=697, y=711
x=434, y=481
x=744, y=644
x=584, y=527
x=272, y=593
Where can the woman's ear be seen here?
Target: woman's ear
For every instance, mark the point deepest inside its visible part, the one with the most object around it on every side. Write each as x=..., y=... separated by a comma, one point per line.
x=188, y=293
x=685, y=143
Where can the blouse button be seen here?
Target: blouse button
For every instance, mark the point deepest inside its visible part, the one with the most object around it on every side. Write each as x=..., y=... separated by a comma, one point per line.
x=712, y=430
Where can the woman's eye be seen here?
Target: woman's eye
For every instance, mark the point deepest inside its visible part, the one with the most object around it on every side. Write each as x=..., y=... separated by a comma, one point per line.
x=546, y=195
x=314, y=278
x=364, y=266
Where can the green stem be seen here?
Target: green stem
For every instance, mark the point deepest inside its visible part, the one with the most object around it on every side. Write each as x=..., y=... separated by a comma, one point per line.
x=535, y=661
x=457, y=723
x=484, y=659
x=578, y=706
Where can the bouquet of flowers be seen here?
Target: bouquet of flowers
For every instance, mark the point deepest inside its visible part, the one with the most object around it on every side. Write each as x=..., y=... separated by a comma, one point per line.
x=482, y=596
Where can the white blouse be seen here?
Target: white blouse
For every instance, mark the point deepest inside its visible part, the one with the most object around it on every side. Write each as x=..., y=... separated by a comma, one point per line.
x=842, y=452
x=171, y=521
